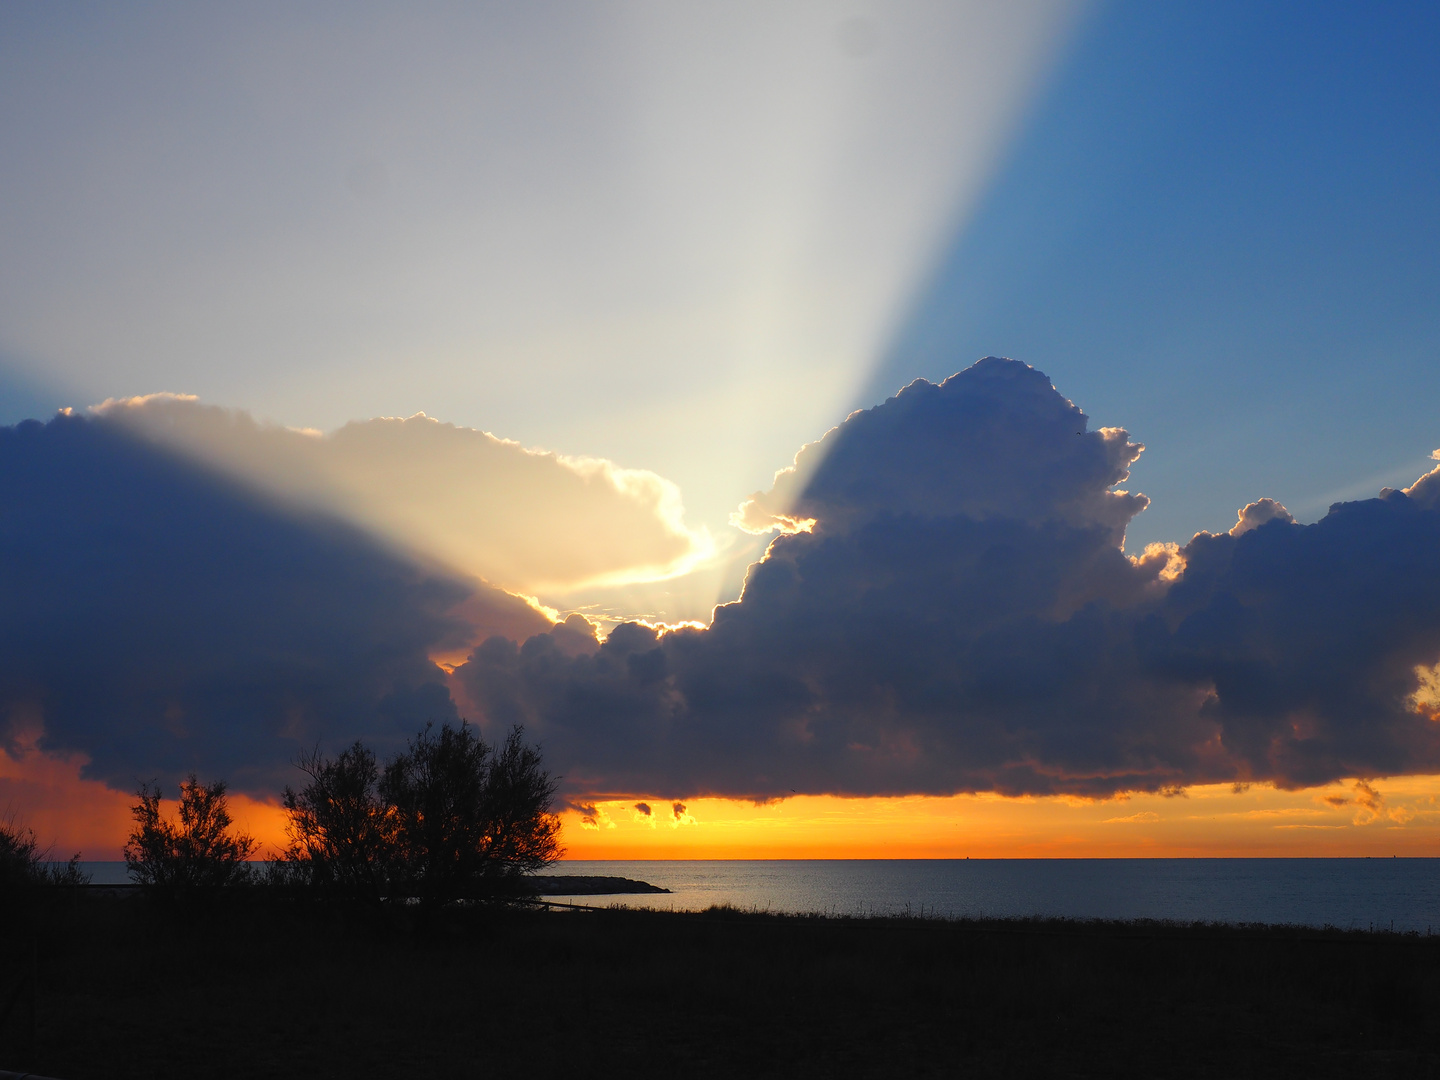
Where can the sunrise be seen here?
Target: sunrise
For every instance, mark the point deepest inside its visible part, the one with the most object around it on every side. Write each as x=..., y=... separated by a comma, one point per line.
x=934, y=487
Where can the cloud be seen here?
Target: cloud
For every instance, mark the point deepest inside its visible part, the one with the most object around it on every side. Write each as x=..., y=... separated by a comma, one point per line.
x=522, y=519
x=1258, y=513
x=1011, y=435
x=1145, y=817
x=1370, y=802
x=949, y=609
x=594, y=817
x=1425, y=492
x=1370, y=807
x=158, y=618
x=960, y=615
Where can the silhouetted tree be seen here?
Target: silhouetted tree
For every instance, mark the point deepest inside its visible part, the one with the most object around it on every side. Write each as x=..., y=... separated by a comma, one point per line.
x=342, y=834
x=468, y=816
x=450, y=817
x=201, y=853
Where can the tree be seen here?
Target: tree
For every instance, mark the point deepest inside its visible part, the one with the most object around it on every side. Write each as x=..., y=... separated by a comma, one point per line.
x=342, y=835
x=450, y=817
x=201, y=853
x=468, y=817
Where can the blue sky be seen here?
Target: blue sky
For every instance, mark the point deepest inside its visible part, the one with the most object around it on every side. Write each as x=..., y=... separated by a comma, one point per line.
x=1219, y=228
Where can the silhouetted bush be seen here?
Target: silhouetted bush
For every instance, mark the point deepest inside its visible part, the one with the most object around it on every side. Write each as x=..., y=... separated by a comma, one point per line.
x=20, y=859
x=200, y=854
x=23, y=862
x=452, y=817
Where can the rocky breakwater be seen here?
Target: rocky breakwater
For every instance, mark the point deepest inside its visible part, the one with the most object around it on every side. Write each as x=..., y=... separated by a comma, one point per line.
x=585, y=885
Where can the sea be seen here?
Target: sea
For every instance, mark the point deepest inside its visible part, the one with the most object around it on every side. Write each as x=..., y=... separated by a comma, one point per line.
x=1390, y=894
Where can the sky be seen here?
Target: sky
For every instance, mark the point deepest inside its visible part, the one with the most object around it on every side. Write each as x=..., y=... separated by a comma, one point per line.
x=458, y=363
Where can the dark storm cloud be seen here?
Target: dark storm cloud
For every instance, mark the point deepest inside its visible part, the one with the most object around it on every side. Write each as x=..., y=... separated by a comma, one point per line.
x=962, y=618
x=159, y=619
x=1310, y=637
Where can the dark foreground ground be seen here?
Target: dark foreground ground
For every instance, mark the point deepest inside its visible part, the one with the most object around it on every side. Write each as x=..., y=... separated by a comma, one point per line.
x=128, y=989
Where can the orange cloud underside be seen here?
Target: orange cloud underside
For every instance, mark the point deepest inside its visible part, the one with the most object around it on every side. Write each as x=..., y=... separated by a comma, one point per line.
x=1400, y=816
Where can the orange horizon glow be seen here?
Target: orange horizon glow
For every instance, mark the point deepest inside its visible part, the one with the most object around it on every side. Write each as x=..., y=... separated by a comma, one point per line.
x=1397, y=816
x=1400, y=816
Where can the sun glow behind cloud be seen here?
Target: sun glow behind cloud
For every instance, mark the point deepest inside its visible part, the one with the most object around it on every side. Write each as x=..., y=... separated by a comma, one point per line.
x=486, y=507
x=600, y=229
x=1350, y=818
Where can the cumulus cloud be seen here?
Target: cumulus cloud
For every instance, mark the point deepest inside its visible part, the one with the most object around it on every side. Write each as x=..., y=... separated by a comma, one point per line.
x=1004, y=447
x=594, y=817
x=949, y=608
x=522, y=519
x=1257, y=513
x=157, y=618
x=1425, y=492
x=1370, y=807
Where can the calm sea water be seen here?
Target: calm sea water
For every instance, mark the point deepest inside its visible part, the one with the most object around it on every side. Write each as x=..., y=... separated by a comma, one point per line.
x=1353, y=893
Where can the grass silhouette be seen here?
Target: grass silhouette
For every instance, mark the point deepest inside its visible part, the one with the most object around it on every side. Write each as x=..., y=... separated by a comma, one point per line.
x=259, y=986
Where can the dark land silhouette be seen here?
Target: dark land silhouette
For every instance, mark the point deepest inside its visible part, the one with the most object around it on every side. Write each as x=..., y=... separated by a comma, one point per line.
x=402, y=934
x=260, y=984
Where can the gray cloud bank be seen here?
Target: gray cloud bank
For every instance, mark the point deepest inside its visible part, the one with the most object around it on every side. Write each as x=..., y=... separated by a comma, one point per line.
x=959, y=616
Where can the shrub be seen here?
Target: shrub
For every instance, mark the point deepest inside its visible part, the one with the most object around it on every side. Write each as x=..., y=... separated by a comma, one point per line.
x=23, y=863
